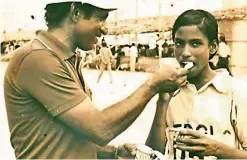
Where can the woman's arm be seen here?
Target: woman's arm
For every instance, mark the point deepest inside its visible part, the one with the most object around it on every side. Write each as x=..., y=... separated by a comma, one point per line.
x=157, y=135
x=202, y=145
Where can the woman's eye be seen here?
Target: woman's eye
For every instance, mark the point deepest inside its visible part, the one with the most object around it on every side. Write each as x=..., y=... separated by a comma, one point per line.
x=196, y=44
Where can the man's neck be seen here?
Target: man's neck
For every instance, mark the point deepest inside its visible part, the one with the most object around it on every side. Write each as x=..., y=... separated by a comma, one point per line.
x=64, y=37
x=206, y=75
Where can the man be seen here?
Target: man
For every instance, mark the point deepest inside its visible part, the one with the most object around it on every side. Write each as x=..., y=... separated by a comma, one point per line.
x=106, y=61
x=165, y=48
x=224, y=53
x=133, y=56
x=50, y=113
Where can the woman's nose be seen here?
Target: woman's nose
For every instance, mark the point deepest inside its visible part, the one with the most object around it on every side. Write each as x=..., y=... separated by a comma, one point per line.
x=186, y=51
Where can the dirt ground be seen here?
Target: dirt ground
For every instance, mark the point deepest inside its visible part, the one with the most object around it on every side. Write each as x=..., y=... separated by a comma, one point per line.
x=104, y=94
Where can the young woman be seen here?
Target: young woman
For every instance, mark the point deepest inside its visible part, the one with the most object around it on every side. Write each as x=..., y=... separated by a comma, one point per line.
x=210, y=111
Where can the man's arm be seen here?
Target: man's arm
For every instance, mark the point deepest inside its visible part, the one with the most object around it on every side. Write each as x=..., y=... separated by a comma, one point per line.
x=53, y=87
x=102, y=126
x=157, y=135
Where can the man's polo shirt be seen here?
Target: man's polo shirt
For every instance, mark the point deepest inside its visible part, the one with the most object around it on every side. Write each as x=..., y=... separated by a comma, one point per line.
x=41, y=83
x=209, y=110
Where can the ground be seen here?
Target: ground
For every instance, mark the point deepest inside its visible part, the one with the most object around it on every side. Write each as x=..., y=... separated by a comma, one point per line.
x=104, y=94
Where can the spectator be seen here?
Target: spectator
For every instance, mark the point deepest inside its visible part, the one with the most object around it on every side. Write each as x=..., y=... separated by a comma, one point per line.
x=224, y=53
x=120, y=54
x=165, y=48
x=133, y=56
x=106, y=61
x=126, y=50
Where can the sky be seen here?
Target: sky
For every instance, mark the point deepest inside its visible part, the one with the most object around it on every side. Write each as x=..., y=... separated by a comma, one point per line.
x=15, y=14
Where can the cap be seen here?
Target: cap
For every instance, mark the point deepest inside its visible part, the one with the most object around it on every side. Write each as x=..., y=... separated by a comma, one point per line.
x=103, y=4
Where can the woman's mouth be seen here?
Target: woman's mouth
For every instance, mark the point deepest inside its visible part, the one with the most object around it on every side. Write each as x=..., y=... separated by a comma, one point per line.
x=188, y=65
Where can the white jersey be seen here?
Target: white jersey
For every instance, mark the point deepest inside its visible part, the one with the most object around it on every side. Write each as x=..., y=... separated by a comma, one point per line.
x=133, y=52
x=209, y=110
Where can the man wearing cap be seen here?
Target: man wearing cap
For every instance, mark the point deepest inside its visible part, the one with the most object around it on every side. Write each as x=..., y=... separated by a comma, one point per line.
x=50, y=112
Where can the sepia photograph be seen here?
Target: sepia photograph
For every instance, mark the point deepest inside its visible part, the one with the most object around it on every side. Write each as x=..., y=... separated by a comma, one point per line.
x=123, y=79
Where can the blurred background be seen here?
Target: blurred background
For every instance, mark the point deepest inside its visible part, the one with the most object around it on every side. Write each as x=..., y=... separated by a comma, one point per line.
x=141, y=22
x=144, y=24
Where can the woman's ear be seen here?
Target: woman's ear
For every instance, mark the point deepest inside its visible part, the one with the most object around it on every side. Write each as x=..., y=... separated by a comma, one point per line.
x=213, y=47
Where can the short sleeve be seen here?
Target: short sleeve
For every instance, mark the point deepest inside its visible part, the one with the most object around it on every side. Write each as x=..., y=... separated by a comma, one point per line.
x=241, y=125
x=43, y=77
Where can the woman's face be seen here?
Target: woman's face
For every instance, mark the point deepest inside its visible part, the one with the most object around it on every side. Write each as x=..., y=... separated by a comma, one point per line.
x=191, y=45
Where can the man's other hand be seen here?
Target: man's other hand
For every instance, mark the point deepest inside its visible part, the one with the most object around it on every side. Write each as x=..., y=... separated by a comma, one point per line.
x=126, y=151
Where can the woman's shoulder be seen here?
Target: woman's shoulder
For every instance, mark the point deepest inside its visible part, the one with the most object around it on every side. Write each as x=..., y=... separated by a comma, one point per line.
x=239, y=86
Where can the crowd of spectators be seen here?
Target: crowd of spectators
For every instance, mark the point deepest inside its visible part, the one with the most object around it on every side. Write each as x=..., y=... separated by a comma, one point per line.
x=8, y=47
x=144, y=50
x=121, y=53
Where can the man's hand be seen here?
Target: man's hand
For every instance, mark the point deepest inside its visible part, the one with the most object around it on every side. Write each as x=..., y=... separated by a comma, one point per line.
x=106, y=152
x=168, y=79
x=126, y=151
x=196, y=143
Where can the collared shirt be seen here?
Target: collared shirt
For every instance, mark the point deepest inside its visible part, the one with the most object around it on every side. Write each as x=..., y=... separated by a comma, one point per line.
x=42, y=82
x=210, y=109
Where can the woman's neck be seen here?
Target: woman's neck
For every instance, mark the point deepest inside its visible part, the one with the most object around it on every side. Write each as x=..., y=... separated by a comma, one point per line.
x=206, y=75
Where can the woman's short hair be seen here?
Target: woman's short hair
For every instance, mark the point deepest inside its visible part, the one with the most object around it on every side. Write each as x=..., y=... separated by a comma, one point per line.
x=204, y=20
x=57, y=12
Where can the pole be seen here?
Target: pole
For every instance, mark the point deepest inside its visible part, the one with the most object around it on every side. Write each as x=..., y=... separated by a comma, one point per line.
x=116, y=25
x=160, y=24
x=137, y=11
x=160, y=14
